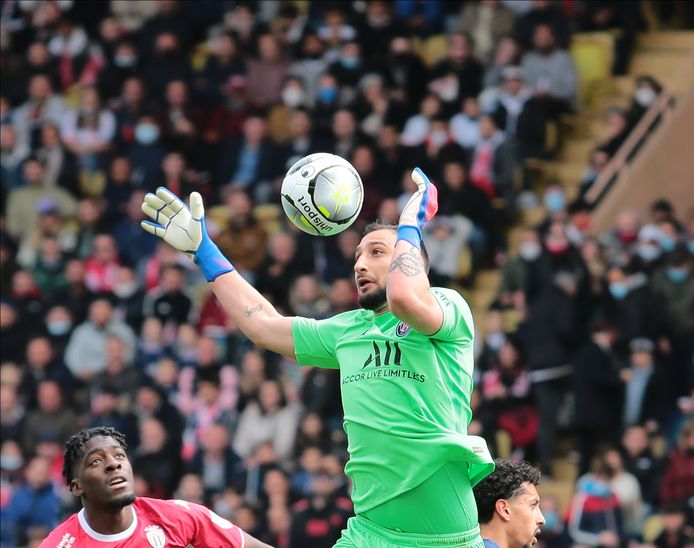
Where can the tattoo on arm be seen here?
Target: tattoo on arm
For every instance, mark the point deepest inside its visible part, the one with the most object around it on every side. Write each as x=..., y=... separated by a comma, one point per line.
x=248, y=311
x=410, y=263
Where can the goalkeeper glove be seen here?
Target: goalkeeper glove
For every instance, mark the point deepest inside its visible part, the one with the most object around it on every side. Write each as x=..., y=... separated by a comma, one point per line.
x=184, y=229
x=420, y=209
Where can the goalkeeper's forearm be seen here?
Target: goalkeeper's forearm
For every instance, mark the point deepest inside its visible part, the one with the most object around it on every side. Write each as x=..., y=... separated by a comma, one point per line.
x=253, y=314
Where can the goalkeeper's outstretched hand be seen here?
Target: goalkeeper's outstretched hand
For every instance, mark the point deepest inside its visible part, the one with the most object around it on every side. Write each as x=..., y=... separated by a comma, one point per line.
x=184, y=229
x=419, y=210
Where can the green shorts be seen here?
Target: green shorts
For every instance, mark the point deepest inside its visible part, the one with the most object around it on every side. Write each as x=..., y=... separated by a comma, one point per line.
x=362, y=533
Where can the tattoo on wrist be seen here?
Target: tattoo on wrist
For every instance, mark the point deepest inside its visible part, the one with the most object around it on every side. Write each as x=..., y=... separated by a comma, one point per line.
x=248, y=311
x=410, y=263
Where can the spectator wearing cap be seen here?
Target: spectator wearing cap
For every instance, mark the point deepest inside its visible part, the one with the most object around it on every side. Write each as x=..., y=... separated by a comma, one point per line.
x=551, y=72
x=647, y=387
x=85, y=355
x=24, y=204
x=267, y=72
x=487, y=22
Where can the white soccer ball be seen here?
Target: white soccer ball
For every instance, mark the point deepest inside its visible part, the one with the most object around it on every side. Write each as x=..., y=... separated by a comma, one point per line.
x=322, y=194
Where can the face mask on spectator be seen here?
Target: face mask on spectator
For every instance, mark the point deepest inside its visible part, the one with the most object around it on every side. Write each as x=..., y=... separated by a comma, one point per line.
x=146, y=134
x=58, y=328
x=530, y=251
x=449, y=91
x=125, y=61
x=677, y=274
x=667, y=243
x=292, y=97
x=438, y=138
x=555, y=201
x=595, y=488
x=11, y=462
x=619, y=290
x=644, y=96
x=350, y=63
x=125, y=290
x=648, y=252
x=327, y=94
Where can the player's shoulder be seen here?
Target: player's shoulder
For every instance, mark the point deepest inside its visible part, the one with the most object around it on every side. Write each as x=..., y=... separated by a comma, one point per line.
x=63, y=536
x=449, y=297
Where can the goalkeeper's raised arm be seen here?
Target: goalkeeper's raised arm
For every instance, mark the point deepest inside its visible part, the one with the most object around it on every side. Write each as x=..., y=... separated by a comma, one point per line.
x=183, y=228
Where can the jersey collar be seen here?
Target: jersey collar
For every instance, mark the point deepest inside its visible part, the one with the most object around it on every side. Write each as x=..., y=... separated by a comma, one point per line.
x=82, y=517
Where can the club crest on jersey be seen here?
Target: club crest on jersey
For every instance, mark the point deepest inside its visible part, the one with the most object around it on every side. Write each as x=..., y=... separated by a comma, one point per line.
x=402, y=329
x=155, y=536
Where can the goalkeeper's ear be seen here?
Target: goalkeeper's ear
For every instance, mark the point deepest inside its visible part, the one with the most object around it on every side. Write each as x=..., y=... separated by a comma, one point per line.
x=197, y=210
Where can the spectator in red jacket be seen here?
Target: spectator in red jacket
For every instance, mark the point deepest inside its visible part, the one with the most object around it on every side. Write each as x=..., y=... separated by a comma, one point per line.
x=678, y=480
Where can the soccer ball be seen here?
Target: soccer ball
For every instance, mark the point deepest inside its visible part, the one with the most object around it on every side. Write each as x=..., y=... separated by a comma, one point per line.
x=322, y=194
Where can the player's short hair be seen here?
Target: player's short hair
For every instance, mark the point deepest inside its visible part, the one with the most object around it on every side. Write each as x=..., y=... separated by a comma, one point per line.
x=377, y=225
x=505, y=483
x=75, y=446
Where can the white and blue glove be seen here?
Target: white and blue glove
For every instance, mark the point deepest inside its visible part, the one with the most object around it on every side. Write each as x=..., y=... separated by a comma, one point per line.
x=184, y=229
x=419, y=210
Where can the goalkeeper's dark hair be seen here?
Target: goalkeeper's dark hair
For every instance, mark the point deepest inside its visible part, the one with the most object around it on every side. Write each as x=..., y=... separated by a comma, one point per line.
x=75, y=446
x=505, y=483
x=372, y=227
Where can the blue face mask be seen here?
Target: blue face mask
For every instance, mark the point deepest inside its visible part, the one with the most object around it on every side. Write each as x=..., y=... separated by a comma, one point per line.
x=554, y=201
x=327, y=95
x=677, y=275
x=350, y=63
x=58, y=328
x=146, y=134
x=667, y=243
x=595, y=488
x=619, y=290
x=648, y=253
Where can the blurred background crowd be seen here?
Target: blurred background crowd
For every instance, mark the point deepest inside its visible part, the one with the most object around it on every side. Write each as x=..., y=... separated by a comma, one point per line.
x=588, y=343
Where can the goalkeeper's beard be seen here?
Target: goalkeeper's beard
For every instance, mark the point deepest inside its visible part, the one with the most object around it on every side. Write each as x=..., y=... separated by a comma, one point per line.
x=373, y=300
x=122, y=502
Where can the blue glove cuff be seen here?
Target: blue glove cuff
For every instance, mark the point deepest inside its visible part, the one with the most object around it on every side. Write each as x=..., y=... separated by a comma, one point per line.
x=210, y=259
x=410, y=234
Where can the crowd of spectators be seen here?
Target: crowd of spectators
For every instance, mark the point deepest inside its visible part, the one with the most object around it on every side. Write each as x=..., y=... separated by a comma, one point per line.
x=101, y=324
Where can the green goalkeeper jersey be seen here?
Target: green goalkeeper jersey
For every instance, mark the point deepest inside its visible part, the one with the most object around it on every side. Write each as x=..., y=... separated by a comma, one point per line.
x=406, y=396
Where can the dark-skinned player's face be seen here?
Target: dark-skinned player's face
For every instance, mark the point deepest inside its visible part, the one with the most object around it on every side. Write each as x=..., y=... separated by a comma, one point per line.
x=371, y=262
x=103, y=475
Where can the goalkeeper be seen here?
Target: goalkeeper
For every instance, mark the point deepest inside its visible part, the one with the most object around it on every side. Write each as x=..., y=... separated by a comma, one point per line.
x=405, y=361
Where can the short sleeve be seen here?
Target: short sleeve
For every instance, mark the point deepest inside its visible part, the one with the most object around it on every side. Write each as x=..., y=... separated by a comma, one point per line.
x=205, y=529
x=315, y=341
x=457, y=317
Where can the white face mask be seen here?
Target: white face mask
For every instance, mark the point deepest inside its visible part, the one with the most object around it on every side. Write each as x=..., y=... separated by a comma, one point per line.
x=438, y=138
x=292, y=97
x=449, y=91
x=530, y=250
x=644, y=96
x=125, y=290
